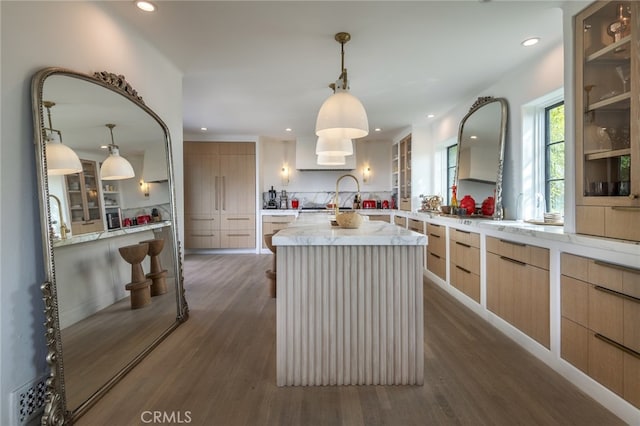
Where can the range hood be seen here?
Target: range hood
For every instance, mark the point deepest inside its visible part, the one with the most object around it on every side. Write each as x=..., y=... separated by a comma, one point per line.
x=306, y=158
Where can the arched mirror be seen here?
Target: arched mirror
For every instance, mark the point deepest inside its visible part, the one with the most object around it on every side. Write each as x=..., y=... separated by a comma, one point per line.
x=113, y=281
x=481, y=140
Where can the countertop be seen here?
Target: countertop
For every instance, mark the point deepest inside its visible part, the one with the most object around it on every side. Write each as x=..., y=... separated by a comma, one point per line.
x=295, y=212
x=94, y=236
x=316, y=230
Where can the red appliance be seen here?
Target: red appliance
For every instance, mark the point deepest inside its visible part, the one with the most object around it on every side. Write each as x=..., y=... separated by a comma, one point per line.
x=368, y=204
x=469, y=204
x=488, y=206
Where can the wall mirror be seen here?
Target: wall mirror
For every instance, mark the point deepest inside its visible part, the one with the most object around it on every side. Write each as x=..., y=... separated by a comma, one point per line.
x=481, y=140
x=103, y=315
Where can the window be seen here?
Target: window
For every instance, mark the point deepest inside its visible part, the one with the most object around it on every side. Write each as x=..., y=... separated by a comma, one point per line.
x=554, y=158
x=452, y=161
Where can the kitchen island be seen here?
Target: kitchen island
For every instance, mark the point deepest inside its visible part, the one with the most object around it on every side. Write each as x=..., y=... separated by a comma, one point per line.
x=349, y=305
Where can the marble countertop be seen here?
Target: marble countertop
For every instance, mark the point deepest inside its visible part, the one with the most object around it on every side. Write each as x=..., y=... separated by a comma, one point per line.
x=295, y=212
x=95, y=236
x=316, y=230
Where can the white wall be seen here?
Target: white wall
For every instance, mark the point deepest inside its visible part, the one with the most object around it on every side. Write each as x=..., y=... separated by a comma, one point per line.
x=540, y=76
x=82, y=37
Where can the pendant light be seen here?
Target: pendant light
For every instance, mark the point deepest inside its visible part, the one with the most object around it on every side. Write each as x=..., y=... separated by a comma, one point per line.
x=115, y=167
x=331, y=160
x=342, y=147
x=342, y=115
x=61, y=160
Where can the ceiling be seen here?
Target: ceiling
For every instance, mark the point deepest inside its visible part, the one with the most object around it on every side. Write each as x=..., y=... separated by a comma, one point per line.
x=257, y=68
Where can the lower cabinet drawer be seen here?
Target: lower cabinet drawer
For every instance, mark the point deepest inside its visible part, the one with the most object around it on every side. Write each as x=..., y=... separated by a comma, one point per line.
x=574, y=345
x=606, y=364
x=201, y=239
x=241, y=238
x=437, y=264
x=233, y=221
x=609, y=222
x=416, y=225
x=465, y=281
x=400, y=221
x=465, y=256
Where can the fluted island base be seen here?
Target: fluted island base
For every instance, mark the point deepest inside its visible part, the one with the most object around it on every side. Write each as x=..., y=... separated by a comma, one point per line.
x=350, y=315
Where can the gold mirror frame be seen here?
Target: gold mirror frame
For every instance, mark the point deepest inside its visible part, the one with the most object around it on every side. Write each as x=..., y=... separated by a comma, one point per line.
x=501, y=126
x=56, y=410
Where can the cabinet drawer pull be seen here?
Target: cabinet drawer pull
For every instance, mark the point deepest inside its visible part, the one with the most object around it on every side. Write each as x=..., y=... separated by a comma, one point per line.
x=616, y=266
x=434, y=255
x=238, y=235
x=513, y=260
x=463, y=232
x=463, y=244
x=238, y=218
x=434, y=225
x=616, y=293
x=89, y=222
x=203, y=235
x=617, y=345
x=462, y=269
x=434, y=235
x=513, y=243
x=626, y=208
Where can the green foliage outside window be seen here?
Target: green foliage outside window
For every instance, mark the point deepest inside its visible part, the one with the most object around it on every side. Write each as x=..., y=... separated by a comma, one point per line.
x=554, y=164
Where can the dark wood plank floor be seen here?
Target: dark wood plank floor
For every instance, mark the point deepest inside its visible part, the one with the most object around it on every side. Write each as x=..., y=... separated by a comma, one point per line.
x=219, y=369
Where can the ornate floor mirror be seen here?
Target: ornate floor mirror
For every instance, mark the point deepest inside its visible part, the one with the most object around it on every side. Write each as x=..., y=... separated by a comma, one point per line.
x=113, y=286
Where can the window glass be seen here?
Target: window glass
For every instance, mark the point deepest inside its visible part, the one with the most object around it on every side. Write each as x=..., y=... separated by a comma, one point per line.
x=452, y=161
x=554, y=158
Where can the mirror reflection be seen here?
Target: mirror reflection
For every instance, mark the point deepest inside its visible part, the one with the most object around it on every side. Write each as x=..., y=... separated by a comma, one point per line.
x=111, y=230
x=481, y=142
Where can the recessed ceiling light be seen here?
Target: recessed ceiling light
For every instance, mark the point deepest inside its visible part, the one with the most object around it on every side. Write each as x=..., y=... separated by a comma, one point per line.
x=530, y=41
x=430, y=115
x=377, y=129
x=473, y=137
x=204, y=129
x=147, y=6
x=103, y=147
x=288, y=129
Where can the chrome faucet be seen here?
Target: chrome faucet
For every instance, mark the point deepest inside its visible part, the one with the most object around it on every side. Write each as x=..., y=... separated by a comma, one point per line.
x=63, y=227
x=338, y=194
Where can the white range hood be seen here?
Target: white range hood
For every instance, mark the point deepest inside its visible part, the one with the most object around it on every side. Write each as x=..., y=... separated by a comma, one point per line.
x=306, y=158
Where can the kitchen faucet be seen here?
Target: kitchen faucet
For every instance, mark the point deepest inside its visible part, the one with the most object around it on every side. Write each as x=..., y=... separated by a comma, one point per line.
x=63, y=227
x=337, y=207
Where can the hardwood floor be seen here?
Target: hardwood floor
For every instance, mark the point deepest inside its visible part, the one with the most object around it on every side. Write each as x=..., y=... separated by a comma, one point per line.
x=219, y=369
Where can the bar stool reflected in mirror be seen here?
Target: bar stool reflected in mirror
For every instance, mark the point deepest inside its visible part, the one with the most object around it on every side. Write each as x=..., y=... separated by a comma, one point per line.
x=271, y=273
x=139, y=285
x=156, y=273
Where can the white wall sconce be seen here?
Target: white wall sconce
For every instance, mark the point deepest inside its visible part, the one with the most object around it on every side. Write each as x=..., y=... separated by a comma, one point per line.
x=366, y=174
x=284, y=174
x=144, y=188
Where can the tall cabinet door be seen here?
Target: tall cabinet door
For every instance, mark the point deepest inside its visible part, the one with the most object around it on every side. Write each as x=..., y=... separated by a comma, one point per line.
x=237, y=174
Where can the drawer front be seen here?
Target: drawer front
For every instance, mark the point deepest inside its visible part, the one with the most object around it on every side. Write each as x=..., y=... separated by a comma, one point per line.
x=400, y=221
x=631, y=383
x=617, y=221
x=632, y=325
x=590, y=220
x=465, y=256
x=437, y=264
x=201, y=223
x=405, y=204
x=237, y=221
x=574, y=346
x=277, y=219
x=575, y=300
x=536, y=256
x=606, y=313
x=416, y=225
x=95, y=225
x=606, y=364
x=237, y=239
x=465, y=237
x=437, y=244
x=433, y=229
x=574, y=266
x=465, y=281
x=379, y=217
x=201, y=239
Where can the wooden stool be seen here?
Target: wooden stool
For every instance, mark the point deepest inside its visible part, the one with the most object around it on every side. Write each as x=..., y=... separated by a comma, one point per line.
x=156, y=273
x=271, y=273
x=139, y=285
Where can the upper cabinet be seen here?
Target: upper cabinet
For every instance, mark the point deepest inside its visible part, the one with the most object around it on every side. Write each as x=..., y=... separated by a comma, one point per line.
x=84, y=202
x=404, y=164
x=608, y=119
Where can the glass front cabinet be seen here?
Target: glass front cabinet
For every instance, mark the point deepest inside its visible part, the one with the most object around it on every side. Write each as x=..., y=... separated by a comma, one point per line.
x=607, y=66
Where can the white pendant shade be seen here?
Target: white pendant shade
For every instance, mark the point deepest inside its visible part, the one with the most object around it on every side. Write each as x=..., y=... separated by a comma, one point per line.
x=334, y=146
x=115, y=167
x=342, y=116
x=61, y=160
x=331, y=160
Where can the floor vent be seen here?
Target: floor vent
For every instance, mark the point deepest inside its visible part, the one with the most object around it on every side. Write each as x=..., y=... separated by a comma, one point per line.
x=28, y=401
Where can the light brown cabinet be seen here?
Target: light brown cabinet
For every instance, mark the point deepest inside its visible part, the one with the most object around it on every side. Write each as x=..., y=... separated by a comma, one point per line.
x=274, y=223
x=85, y=207
x=608, y=119
x=420, y=227
x=518, y=286
x=400, y=221
x=437, y=250
x=219, y=195
x=404, y=156
x=600, y=332
x=464, y=252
